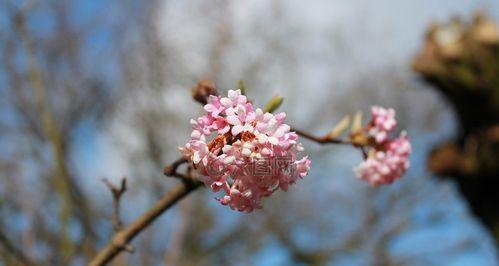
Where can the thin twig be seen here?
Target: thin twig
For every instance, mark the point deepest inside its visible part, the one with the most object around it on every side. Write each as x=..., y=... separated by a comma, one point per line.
x=117, y=193
x=171, y=170
x=326, y=140
x=121, y=239
x=13, y=250
x=321, y=140
x=50, y=129
x=364, y=152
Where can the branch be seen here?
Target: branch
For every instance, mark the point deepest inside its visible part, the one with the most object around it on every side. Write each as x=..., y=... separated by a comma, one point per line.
x=171, y=170
x=321, y=140
x=117, y=193
x=13, y=250
x=122, y=238
x=50, y=129
x=326, y=140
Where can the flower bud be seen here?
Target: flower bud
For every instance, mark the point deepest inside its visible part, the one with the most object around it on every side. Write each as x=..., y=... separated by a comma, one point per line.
x=241, y=87
x=359, y=138
x=203, y=90
x=273, y=104
x=357, y=122
x=339, y=128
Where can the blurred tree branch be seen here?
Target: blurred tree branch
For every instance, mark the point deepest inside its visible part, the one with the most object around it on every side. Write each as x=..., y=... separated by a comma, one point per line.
x=50, y=91
x=18, y=254
x=121, y=239
x=50, y=130
x=117, y=192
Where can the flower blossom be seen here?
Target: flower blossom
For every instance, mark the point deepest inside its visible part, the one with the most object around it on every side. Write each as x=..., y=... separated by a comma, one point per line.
x=383, y=121
x=387, y=158
x=244, y=153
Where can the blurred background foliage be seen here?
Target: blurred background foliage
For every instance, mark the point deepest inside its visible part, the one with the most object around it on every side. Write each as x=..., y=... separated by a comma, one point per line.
x=92, y=89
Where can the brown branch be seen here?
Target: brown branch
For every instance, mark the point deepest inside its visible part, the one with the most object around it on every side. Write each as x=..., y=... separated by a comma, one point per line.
x=117, y=193
x=326, y=140
x=14, y=251
x=321, y=140
x=51, y=130
x=122, y=238
x=171, y=170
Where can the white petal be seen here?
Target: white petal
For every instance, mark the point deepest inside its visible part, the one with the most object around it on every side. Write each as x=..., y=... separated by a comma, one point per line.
x=248, y=128
x=279, y=133
x=273, y=140
x=196, y=158
x=237, y=129
x=248, y=145
x=229, y=159
x=233, y=94
x=262, y=138
x=226, y=102
x=233, y=120
x=230, y=111
x=226, y=148
x=195, y=134
x=246, y=152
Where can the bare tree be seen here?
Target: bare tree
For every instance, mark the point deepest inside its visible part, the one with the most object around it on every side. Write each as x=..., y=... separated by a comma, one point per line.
x=51, y=88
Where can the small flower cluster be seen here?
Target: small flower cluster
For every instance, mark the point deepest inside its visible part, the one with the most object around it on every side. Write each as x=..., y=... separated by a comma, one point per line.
x=252, y=155
x=387, y=159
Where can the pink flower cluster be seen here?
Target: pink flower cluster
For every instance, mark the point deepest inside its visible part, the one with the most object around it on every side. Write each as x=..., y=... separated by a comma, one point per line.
x=388, y=159
x=252, y=154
